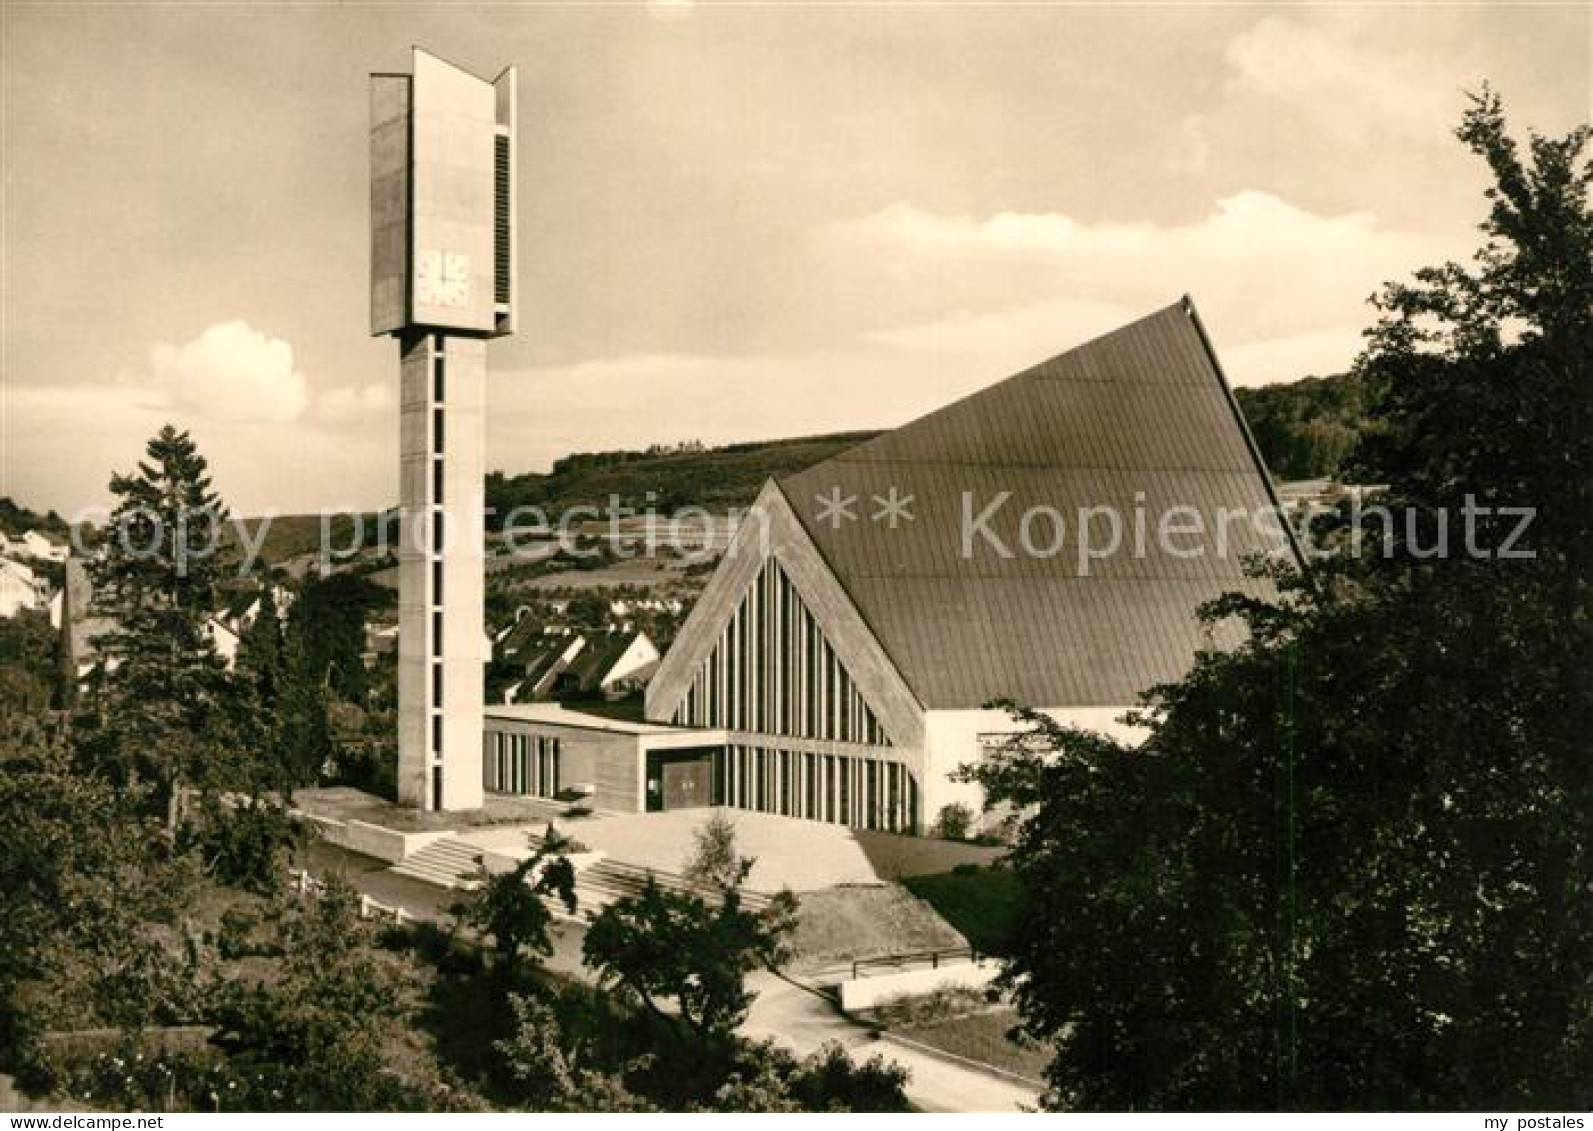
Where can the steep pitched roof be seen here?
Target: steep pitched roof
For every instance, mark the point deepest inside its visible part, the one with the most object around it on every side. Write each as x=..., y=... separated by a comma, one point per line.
x=1140, y=419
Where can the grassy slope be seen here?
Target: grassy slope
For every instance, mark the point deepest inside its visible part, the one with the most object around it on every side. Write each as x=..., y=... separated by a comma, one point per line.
x=983, y=1037
x=841, y=924
x=984, y=905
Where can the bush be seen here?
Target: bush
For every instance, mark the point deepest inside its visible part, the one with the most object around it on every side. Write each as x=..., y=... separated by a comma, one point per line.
x=246, y=847
x=954, y=821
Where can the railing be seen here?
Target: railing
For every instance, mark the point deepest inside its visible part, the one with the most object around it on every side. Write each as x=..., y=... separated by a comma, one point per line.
x=932, y=958
x=306, y=884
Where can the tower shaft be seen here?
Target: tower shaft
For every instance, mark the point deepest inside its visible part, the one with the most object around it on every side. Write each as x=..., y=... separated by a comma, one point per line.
x=441, y=561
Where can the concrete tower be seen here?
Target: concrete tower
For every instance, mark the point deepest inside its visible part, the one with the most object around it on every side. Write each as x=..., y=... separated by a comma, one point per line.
x=442, y=283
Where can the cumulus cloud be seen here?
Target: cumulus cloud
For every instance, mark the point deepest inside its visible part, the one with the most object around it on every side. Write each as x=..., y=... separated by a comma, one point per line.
x=231, y=372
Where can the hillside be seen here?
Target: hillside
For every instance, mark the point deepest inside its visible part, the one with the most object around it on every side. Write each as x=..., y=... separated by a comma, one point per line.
x=16, y=520
x=714, y=478
x=1304, y=429
x=1307, y=428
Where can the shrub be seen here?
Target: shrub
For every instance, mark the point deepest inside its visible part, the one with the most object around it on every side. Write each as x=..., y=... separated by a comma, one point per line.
x=954, y=821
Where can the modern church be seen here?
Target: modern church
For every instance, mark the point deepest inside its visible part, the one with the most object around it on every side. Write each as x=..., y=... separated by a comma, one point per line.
x=1045, y=541
x=841, y=663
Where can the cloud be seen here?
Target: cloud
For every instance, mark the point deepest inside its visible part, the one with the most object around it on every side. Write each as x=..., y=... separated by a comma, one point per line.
x=351, y=403
x=1341, y=73
x=231, y=372
x=1283, y=288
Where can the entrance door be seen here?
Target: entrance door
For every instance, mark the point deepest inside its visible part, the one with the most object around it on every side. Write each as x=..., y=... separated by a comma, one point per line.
x=688, y=785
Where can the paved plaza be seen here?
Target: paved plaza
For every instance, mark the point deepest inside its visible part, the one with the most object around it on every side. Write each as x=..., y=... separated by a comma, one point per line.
x=801, y=855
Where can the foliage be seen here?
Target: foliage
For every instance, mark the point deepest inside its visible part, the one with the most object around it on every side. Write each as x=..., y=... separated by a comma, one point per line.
x=30, y=671
x=983, y=905
x=512, y=906
x=724, y=477
x=327, y=622
x=92, y=903
x=166, y=713
x=945, y=1002
x=714, y=862
x=245, y=846
x=954, y=821
x=315, y=1038
x=766, y=1078
x=662, y=944
x=1350, y=865
x=553, y=1066
x=1306, y=429
x=16, y=520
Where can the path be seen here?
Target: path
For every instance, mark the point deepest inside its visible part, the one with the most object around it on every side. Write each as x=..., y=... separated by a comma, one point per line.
x=792, y=1015
x=803, y=1021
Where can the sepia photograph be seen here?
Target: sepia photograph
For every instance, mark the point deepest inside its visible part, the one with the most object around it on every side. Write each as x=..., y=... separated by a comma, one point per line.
x=1024, y=558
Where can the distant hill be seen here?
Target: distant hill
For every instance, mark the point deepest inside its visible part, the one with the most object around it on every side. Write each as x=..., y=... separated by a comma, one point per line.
x=689, y=475
x=294, y=535
x=1307, y=428
x=1304, y=429
x=16, y=520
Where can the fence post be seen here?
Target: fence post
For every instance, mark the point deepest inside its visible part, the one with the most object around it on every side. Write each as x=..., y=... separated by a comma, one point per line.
x=365, y=906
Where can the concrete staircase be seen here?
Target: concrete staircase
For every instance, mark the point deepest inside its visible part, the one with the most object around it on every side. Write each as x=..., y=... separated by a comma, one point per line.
x=447, y=863
x=610, y=880
x=450, y=862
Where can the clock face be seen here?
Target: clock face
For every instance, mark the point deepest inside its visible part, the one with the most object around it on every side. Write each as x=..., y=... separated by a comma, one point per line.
x=442, y=278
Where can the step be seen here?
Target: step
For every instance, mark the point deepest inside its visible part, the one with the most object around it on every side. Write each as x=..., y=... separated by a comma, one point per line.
x=448, y=863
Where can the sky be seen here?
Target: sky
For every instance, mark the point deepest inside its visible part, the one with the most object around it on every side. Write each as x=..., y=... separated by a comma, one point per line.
x=736, y=222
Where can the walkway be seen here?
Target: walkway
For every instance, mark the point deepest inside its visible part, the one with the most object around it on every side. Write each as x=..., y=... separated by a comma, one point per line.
x=801, y=855
x=797, y=1018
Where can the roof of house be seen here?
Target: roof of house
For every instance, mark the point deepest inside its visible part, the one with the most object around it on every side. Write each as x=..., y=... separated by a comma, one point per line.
x=597, y=659
x=21, y=572
x=553, y=713
x=1140, y=419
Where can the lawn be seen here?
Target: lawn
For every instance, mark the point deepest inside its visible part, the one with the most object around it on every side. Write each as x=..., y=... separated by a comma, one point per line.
x=982, y=1037
x=983, y=905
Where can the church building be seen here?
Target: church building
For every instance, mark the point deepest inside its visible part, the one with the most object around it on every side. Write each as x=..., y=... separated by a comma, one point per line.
x=873, y=606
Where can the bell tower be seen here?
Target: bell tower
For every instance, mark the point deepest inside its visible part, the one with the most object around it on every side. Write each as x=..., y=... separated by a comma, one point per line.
x=442, y=284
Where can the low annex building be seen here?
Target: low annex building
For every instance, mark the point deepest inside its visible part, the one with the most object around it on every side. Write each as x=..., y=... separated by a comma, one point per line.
x=841, y=663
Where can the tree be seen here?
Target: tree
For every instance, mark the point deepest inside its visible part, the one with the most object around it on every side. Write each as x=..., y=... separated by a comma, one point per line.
x=315, y=1038
x=167, y=713
x=328, y=622
x=663, y=944
x=714, y=862
x=262, y=650
x=1350, y=865
x=512, y=906
x=766, y=1078
x=92, y=900
x=555, y=1068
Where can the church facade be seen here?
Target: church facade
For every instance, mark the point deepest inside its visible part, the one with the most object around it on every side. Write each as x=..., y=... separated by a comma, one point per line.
x=849, y=648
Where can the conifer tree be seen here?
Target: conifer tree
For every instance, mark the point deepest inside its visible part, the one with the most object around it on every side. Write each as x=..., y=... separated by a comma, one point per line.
x=165, y=715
